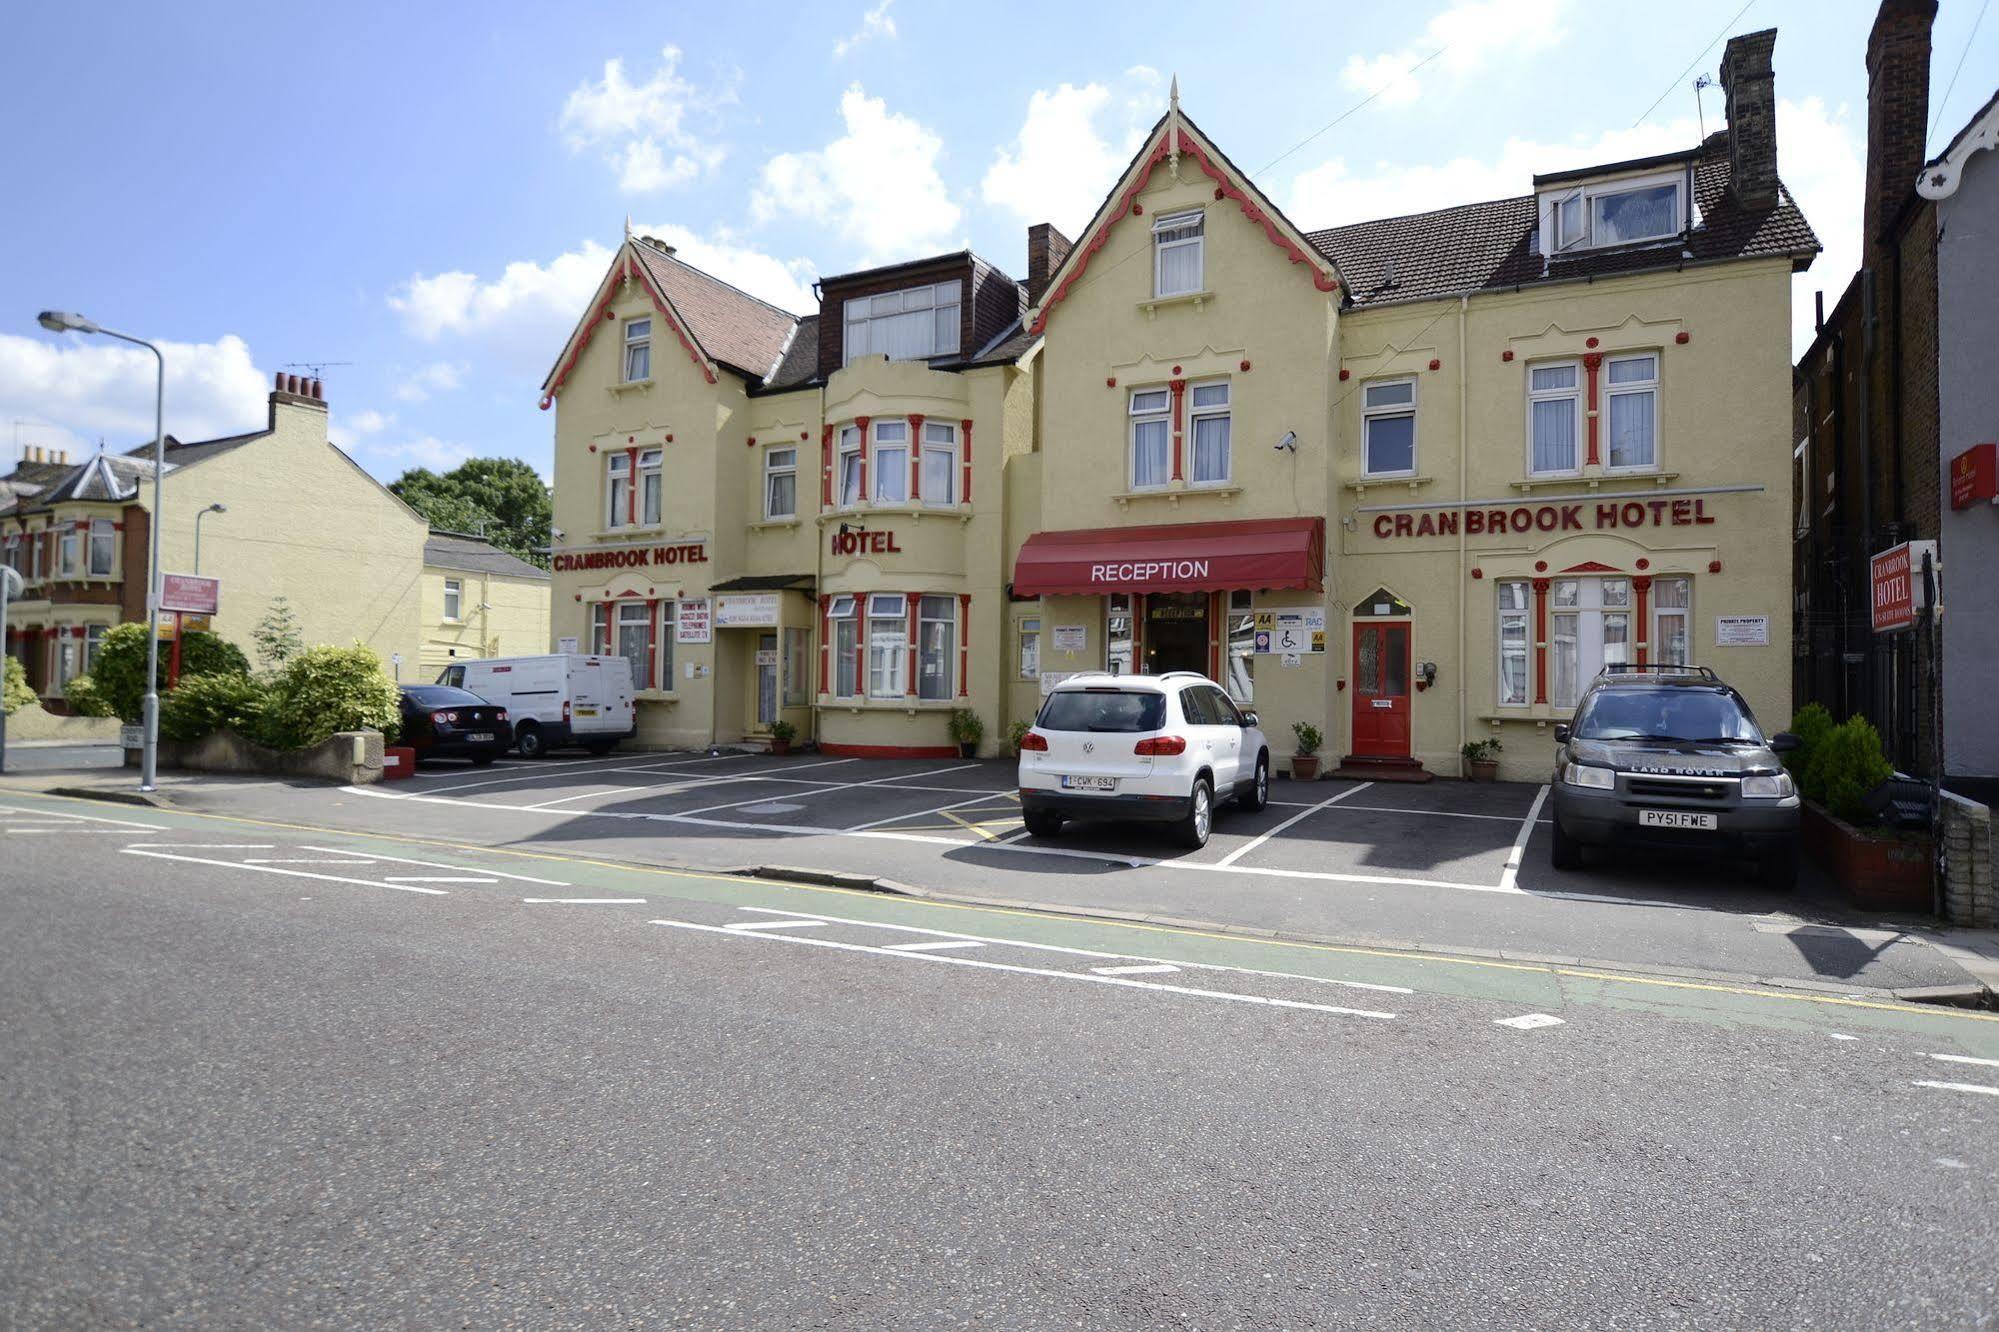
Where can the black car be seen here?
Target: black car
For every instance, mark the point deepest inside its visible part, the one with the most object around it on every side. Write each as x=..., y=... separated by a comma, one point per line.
x=1671, y=756
x=442, y=722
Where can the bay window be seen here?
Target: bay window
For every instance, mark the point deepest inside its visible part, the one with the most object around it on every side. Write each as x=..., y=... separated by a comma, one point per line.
x=93, y=643
x=103, y=547
x=1633, y=409
x=72, y=551
x=1210, y=411
x=634, y=640
x=640, y=632
x=850, y=466
x=936, y=637
x=638, y=350
x=1671, y=606
x=891, y=461
x=843, y=612
x=780, y=483
x=1554, y=416
x=1151, y=438
x=915, y=324
x=1513, y=642
x=1388, y=428
x=1177, y=245
x=888, y=643
x=939, y=468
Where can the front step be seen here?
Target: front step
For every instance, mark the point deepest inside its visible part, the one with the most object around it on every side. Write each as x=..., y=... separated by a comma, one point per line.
x=1372, y=768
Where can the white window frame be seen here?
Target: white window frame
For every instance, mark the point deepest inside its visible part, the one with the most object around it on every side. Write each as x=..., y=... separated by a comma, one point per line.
x=69, y=550
x=780, y=460
x=849, y=468
x=1655, y=642
x=884, y=480
x=1592, y=608
x=1523, y=615
x=104, y=531
x=936, y=646
x=620, y=621
x=454, y=601
x=652, y=497
x=1613, y=391
x=888, y=668
x=945, y=445
x=843, y=613
x=93, y=643
x=617, y=489
x=946, y=333
x=1163, y=416
x=1027, y=632
x=638, y=347
x=1197, y=218
x=1574, y=395
x=1585, y=200
x=1369, y=414
x=1196, y=414
x=666, y=633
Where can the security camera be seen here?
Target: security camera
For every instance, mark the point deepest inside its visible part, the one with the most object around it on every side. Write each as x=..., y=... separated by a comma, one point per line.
x=557, y=533
x=1290, y=441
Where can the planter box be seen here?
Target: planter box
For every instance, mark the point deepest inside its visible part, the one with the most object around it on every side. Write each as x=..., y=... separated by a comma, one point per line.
x=1304, y=767
x=1879, y=870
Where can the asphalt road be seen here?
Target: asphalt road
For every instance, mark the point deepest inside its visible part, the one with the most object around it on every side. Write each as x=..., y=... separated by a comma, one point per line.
x=258, y=1077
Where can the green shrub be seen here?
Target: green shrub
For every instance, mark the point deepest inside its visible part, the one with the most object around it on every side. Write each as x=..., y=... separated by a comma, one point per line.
x=14, y=691
x=202, y=704
x=1811, y=725
x=1309, y=736
x=328, y=689
x=1848, y=764
x=120, y=671
x=966, y=727
x=85, y=699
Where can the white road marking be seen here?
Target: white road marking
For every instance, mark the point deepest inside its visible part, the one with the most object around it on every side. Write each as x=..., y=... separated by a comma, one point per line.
x=542, y=770
x=434, y=864
x=304, y=860
x=1508, y=877
x=81, y=832
x=934, y=946
x=921, y=813
x=208, y=846
x=587, y=901
x=944, y=959
x=694, y=783
x=1841, y=1036
x=1529, y=1021
x=1091, y=952
x=1431, y=813
x=1251, y=845
x=433, y=878
x=273, y=869
x=1156, y=969
x=848, y=786
x=39, y=814
x=1980, y=1088
x=794, y=924
x=1966, y=1059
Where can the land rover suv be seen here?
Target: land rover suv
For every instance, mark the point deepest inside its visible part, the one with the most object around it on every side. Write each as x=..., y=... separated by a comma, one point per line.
x=1671, y=756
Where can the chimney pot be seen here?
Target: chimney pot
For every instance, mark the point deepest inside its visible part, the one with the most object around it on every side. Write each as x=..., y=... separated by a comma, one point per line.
x=1749, y=86
x=278, y=382
x=317, y=392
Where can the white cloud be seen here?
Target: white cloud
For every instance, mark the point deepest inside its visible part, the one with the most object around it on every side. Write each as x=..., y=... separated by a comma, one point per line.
x=878, y=183
x=658, y=134
x=1821, y=164
x=875, y=23
x=437, y=377
x=1471, y=35
x=1064, y=158
x=422, y=451
x=370, y=422
x=73, y=391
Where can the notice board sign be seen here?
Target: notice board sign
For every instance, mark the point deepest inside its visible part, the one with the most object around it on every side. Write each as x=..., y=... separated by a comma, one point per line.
x=1896, y=583
x=756, y=610
x=1742, y=631
x=190, y=593
x=1279, y=631
x=691, y=622
x=1974, y=476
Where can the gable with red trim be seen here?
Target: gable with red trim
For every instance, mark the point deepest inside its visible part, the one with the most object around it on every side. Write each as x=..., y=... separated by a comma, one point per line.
x=1175, y=134
x=624, y=269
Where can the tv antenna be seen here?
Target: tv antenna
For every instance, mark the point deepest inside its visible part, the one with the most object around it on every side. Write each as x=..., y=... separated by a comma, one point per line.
x=1702, y=81
x=316, y=367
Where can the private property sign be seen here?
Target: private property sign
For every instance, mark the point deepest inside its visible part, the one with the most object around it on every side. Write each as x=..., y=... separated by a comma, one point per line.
x=1896, y=581
x=190, y=593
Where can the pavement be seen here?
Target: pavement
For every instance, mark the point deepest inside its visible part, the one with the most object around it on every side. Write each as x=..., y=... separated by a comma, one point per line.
x=1447, y=867
x=262, y=1076
x=30, y=756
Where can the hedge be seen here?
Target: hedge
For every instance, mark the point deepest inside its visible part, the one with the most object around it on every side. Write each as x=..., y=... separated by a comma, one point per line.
x=119, y=674
x=327, y=689
x=15, y=693
x=201, y=704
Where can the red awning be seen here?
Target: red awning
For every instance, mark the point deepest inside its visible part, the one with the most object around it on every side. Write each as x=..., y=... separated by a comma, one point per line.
x=1174, y=557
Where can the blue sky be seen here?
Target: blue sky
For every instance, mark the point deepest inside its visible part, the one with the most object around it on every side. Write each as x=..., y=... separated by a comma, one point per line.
x=431, y=191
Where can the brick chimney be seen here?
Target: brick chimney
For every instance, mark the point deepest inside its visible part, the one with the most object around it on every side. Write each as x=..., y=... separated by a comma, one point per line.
x=1750, y=87
x=1046, y=249
x=1898, y=111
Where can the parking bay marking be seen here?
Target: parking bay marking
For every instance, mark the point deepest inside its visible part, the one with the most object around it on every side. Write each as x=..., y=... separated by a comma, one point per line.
x=460, y=869
x=1251, y=845
x=1508, y=877
x=275, y=869
x=1979, y=1088
x=1966, y=1059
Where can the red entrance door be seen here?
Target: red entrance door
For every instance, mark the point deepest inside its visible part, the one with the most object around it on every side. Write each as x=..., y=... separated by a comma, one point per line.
x=1381, y=690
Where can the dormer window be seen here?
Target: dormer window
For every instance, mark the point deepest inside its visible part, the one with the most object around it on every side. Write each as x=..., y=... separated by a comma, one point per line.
x=1177, y=244
x=1615, y=212
x=915, y=324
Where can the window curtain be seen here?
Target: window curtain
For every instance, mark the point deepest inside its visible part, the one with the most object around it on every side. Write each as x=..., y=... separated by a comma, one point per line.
x=1150, y=454
x=1555, y=435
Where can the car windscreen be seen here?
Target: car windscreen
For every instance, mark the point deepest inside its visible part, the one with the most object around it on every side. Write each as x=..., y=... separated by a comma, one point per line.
x=1709, y=715
x=1103, y=710
x=442, y=696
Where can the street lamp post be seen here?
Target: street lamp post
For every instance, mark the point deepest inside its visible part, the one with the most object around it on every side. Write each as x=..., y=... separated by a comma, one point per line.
x=10, y=588
x=59, y=321
x=213, y=508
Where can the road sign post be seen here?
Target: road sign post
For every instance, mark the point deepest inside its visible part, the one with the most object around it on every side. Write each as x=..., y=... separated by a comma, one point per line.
x=10, y=588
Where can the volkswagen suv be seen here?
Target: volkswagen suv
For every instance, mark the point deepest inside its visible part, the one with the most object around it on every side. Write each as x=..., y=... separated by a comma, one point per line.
x=1670, y=756
x=1154, y=748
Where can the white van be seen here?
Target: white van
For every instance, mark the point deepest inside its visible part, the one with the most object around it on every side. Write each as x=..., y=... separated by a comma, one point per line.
x=561, y=699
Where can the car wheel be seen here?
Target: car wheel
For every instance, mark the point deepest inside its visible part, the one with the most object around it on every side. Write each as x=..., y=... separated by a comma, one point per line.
x=1257, y=795
x=1200, y=820
x=1778, y=871
x=1564, y=851
x=528, y=740
x=1041, y=823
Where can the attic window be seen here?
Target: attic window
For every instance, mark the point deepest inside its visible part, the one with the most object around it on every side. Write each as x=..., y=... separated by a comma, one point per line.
x=1621, y=212
x=910, y=325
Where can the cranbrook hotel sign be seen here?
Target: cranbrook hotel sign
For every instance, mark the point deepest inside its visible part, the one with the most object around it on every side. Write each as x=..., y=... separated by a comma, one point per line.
x=630, y=557
x=1590, y=516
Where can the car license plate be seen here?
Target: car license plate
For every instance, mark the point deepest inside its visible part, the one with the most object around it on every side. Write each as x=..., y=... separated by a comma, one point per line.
x=1675, y=818
x=1072, y=783
x=586, y=712
x=480, y=737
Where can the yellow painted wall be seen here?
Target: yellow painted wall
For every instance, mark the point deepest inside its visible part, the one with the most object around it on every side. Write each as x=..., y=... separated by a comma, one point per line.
x=499, y=616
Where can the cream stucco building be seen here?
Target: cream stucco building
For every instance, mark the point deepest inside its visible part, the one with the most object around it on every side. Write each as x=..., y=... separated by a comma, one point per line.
x=1411, y=481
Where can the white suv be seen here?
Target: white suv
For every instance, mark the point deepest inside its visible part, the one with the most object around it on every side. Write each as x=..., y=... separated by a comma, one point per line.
x=1160, y=748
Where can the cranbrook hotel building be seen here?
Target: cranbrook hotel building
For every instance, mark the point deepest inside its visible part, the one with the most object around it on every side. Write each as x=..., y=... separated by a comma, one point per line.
x=1413, y=481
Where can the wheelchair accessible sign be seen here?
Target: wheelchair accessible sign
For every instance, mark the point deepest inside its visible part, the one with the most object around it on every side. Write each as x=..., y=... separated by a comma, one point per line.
x=1280, y=632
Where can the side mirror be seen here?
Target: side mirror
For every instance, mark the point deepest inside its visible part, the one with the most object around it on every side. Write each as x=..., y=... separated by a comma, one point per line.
x=1249, y=716
x=1562, y=733
x=1784, y=742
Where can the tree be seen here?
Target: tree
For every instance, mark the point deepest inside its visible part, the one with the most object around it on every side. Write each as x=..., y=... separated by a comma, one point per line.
x=119, y=674
x=502, y=499
x=277, y=635
x=15, y=691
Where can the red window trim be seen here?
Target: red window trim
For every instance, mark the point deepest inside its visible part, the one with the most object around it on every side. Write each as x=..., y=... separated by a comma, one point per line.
x=912, y=600
x=965, y=442
x=915, y=456
x=1179, y=388
x=1641, y=586
x=964, y=641
x=1540, y=640
x=1592, y=362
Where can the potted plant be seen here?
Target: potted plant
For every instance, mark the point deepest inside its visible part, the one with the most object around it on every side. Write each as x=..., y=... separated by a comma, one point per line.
x=1016, y=733
x=967, y=730
x=1305, y=763
x=782, y=733
x=1835, y=766
x=1481, y=761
